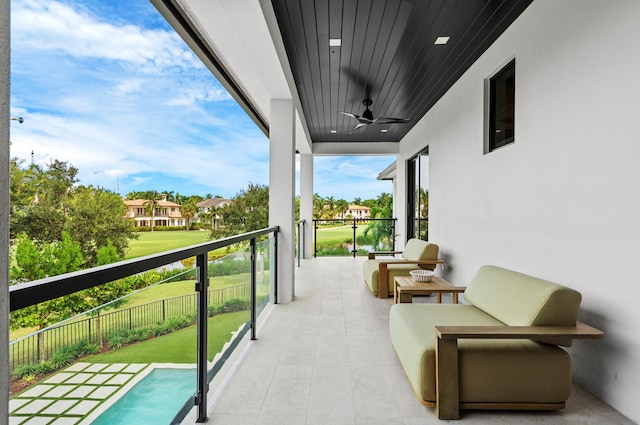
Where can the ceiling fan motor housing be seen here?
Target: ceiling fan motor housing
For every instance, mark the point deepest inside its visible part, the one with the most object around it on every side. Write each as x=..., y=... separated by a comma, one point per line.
x=367, y=113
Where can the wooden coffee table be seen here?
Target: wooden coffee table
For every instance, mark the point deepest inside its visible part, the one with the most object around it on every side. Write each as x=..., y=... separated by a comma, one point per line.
x=404, y=288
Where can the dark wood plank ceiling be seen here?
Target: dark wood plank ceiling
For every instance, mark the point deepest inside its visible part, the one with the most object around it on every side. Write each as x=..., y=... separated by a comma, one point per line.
x=387, y=54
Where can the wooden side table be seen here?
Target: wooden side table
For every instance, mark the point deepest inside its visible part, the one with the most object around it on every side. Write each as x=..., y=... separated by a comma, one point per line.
x=404, y=288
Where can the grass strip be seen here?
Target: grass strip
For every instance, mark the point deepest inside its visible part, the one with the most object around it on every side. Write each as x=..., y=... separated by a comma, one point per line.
x=176, y=347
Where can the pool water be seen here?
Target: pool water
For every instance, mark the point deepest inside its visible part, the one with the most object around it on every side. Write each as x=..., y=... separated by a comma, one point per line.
x=156, y=399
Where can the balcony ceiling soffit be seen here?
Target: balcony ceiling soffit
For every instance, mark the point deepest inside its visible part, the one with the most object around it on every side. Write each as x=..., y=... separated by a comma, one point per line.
x=387, y=54
x=237, y=32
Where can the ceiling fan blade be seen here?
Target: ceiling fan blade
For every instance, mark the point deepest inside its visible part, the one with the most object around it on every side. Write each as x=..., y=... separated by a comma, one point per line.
x=350, y=115
x=385, y=120
x=358, y=126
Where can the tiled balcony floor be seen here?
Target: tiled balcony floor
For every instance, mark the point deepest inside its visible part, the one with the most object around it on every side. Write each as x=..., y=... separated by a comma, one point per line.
x=327, y=359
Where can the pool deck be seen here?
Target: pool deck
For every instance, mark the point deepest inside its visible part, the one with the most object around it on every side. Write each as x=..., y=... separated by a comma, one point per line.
x=78, y=394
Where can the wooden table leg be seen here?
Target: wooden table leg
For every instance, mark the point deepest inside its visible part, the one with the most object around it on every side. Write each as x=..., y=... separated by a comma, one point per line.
x=447, y=391
x=455, y=297
x=395, y=292
x=405, y=297
x=439, y=298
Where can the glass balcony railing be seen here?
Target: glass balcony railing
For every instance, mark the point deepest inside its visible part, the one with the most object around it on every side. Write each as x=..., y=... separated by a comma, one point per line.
x=196, y=317
x=353, y=236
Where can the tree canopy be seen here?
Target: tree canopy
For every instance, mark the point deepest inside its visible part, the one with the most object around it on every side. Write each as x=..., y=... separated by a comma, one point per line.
x=47, y=202
x=248, y=211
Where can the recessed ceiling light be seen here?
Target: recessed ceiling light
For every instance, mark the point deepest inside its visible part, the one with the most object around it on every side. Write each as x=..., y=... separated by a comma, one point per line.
x=384, y=130
x=333, y=132
x=335, y=42
x=442, y=40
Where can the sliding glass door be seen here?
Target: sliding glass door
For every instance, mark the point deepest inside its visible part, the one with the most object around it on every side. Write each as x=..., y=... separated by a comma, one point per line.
x=418, y=196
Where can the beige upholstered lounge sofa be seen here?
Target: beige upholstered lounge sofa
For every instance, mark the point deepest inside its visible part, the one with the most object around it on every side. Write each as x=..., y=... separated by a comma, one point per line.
x=379, y=273
x=508, y=355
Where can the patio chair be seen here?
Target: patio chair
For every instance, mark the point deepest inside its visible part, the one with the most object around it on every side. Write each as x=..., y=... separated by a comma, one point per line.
x=379, y=273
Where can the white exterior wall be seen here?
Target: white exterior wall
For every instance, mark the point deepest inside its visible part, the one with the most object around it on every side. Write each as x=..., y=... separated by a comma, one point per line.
x=563, y=202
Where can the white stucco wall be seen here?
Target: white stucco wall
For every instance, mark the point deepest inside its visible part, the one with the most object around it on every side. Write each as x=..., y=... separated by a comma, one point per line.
x=563, y=202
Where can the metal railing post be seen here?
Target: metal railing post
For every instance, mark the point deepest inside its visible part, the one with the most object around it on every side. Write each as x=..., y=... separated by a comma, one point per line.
x=315, y=238
x=355, y=249
x=275, y=269
x=304, y=238
x=299, y=245
x=202, y=287
x=253, y=288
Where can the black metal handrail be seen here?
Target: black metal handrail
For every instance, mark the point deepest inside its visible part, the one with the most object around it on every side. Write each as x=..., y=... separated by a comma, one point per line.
x=37, y=291
x=25, y=294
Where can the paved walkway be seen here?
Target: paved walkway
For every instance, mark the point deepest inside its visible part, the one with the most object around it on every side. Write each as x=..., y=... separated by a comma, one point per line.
x=69, y=396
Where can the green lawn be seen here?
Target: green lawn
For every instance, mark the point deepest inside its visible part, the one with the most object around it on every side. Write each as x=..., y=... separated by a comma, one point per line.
x=337, y=235
x=155, y=242
x=184, y=287
x=176, y=347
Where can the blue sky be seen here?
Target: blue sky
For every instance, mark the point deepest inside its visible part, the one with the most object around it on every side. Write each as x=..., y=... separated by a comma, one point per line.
x=109, y=87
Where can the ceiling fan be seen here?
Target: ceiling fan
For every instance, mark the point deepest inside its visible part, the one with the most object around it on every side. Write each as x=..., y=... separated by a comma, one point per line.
x=367, y=117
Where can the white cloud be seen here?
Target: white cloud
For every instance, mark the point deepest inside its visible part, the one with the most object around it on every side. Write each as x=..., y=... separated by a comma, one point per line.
x=54, y=26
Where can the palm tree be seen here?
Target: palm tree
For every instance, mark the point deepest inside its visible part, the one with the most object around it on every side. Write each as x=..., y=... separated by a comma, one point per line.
x=342, y=206
x=215, y=216
x=330, y=211
x=318, y=206
x=188, y=211
x=151, y=205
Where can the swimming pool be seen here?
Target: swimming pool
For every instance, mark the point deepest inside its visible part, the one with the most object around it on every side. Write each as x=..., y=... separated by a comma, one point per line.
x=156, y=399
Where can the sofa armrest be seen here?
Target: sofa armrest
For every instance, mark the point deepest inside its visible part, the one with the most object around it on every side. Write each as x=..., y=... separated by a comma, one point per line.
x=579, y=331
x=447, y=381
x=372, y=254
x=383, y=277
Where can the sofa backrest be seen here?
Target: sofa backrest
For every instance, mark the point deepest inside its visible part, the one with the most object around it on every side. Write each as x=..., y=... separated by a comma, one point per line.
x=517, y=299
x=419, y=250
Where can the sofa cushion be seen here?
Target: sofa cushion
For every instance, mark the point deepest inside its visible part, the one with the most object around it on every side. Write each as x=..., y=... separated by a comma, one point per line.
x=521, y=300
x=417, y=249
x=371, y=274
x=505, y=371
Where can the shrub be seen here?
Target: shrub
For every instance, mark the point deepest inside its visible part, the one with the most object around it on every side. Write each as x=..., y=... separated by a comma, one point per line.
x=61, y=358
x=230, y=306
x=116, y=341
x=129, y=336
x=26, y=370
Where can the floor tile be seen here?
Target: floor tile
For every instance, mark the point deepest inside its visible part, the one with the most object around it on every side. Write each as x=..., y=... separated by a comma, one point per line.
x=59, y=377
x=116, y=367
x=39, y=420
x=99, y=378
x=58, y=407
x=36, y=406
x=15, y=403
x=103, y=392
x=36, y=391
x=77, y=367
x=83, y=407
x=66, y=420
x=79, y=378
x=119, y=379
x=134, y=368
x=96, y=367
x=17, y=420
x=81, y=391
x=59, y=391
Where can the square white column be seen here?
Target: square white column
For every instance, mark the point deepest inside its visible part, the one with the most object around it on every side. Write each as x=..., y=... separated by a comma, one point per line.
x=282, y=168
x=306, y=201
